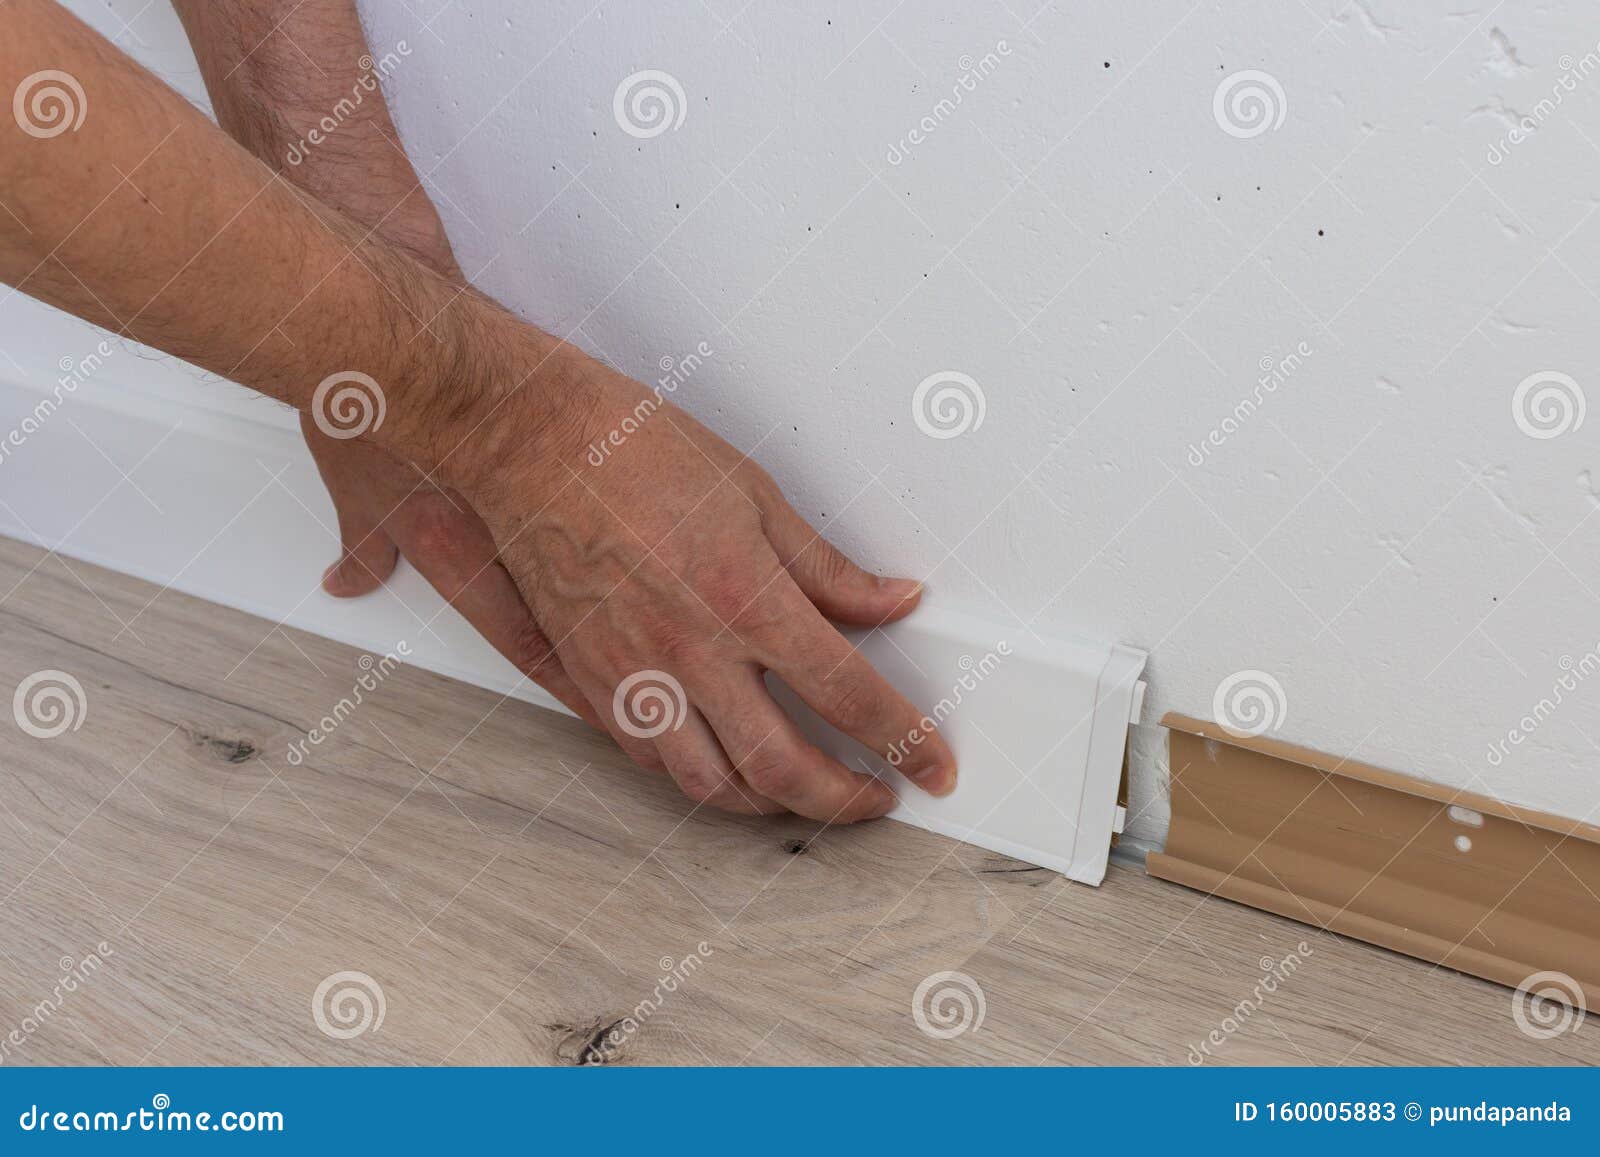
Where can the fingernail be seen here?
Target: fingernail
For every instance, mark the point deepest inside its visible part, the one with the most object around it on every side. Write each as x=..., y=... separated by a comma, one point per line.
x=935, y=779
x=885, y=806
x=901, y=589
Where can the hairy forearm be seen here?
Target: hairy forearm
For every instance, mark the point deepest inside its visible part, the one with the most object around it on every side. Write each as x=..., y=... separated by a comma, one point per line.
x=148, y=221
x=296, y=83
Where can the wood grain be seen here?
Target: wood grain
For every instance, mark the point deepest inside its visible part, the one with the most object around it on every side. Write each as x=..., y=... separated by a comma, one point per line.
x=516, y=890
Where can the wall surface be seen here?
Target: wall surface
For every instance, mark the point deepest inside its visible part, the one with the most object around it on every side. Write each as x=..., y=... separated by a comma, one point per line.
x=1249, y=348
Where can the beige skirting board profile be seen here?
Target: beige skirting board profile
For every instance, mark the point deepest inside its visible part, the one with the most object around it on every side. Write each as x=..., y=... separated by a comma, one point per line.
x=1466, y=881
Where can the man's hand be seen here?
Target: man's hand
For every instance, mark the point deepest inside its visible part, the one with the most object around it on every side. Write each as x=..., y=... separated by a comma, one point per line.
x=678, y=562
x=676, y=559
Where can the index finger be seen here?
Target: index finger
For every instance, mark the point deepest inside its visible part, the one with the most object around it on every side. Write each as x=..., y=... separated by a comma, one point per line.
x=838, y=683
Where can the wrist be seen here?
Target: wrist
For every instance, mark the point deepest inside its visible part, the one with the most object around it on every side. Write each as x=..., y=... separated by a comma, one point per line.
x=493, y=399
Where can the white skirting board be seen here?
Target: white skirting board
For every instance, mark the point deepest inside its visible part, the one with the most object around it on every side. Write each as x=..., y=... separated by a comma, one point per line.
x=230, y=508
x=1039, y=728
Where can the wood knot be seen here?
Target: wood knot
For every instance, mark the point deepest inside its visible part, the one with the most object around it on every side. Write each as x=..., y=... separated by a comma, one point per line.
x=600, y=1042
x=224, y=748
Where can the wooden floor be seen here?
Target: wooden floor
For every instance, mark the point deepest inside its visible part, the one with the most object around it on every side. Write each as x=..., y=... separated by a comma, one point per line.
x=517, y=894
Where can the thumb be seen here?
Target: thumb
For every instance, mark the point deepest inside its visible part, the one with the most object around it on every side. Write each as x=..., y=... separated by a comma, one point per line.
x=836, y=586
x=367, y=557
x=367, y=554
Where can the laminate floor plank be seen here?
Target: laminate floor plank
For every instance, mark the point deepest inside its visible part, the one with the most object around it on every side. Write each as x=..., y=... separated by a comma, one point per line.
x=519, y=894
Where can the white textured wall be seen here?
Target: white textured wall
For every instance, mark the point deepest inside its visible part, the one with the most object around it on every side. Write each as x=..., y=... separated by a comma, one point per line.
x=1082, y=237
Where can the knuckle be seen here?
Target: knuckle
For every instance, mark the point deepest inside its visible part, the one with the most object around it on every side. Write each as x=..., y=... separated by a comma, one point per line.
x=701, y=782
x=772, y=773
x=763, y=609
x=732, y=596
x=532, y=653
x=831, y=563
x=680, y=647
x=738, y=586
x=854, y=702
x=642, y=754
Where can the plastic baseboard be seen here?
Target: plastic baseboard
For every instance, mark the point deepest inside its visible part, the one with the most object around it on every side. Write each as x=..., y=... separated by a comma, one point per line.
x=1460, y=879
x=232, y=510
